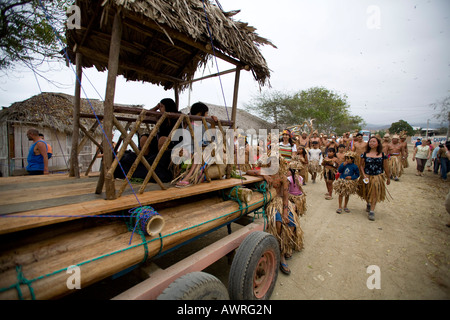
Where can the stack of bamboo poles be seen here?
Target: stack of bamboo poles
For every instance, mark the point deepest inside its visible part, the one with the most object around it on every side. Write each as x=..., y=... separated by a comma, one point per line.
x=36, y=267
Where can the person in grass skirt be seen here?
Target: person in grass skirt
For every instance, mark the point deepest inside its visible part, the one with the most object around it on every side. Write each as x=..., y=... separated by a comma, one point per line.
x=346, y=182
x=283, y=222
x=375, y=173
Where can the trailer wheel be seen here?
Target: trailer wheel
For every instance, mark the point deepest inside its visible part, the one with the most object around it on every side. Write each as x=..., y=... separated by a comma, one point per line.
x=195, y=286
x=254, y=270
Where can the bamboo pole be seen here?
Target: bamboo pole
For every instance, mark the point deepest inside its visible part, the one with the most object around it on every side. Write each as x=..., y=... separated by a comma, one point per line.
x=136, y=150
x=160, y=153
x=98, y=151
x=243, y=194
x=74, y=167
x=171, y=115
x=235, y=96
x=126, y=142
x=37, y=246
x=101, y=259
x=113, y=66
x=87, y=137
x=141, y=154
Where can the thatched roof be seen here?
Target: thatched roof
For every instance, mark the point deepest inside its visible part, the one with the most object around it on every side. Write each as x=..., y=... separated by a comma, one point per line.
x=244, y=120
x=165, y=42
x=52, y=110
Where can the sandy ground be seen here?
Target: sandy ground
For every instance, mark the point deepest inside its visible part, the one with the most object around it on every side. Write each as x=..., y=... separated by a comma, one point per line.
x=409, y=243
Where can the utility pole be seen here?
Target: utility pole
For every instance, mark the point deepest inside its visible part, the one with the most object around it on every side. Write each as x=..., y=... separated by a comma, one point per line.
x=428, y=122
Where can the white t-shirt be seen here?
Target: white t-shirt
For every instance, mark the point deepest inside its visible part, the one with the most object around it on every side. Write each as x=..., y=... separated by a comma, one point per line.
x=315, y=154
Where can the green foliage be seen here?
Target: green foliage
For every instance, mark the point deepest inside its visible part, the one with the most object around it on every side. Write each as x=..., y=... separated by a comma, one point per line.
x=31, y=31
x=329, y=110
x=273, y=106
x=401, y=125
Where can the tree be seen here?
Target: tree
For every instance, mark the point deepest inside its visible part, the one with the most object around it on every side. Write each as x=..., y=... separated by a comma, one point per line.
x=31, y=32
x=329, y=110
x=272, y=106
x=443, y=108
x=401, y=125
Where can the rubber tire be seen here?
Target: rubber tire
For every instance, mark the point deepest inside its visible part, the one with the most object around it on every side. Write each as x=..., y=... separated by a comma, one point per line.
x=245, y=263
x=195, y=286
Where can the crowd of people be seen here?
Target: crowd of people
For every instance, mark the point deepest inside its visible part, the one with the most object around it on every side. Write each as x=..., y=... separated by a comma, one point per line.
x=349, y=166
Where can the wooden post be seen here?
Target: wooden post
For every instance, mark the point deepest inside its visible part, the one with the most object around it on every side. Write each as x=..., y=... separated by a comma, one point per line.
x=160, y=153
x=137, y=151
x=141, y=153
x=126, y=142
x=113, y=66
x=235, y=96
x=177, y=96
x=74, y=170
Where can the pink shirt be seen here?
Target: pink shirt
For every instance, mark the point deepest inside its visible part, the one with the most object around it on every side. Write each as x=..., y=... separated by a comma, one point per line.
x=294, y=189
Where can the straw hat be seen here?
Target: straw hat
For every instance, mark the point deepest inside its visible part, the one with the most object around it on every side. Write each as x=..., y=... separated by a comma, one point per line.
x=351, y=154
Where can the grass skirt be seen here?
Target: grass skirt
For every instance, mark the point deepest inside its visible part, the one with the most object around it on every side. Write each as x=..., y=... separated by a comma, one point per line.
x=376, y=183
x=395, y=166
x=299, y=202
x=344, y=187
x=405, y=163
x=314, y=167
x=289, y=239
x=329, y=174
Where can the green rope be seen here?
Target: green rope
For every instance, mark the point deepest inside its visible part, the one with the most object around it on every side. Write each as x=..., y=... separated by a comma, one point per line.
x=262, y=188
x=22, y=280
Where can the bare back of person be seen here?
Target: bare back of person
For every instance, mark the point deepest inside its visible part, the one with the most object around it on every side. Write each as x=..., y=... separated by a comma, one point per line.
x=359, y=147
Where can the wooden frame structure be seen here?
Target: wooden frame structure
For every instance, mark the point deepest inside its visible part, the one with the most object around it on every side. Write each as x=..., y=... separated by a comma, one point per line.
x=157, y=44
x=157, y=41
x=133, y=123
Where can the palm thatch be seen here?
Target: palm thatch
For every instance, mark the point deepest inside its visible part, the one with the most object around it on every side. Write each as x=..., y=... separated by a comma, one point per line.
x=52, y=110
x=165, y=42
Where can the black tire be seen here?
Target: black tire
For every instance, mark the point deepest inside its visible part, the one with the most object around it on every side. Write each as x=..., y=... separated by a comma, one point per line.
x=195, y=286
x=252, y=275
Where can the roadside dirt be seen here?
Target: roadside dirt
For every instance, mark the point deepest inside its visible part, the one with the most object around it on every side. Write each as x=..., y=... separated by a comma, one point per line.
x=408, y=241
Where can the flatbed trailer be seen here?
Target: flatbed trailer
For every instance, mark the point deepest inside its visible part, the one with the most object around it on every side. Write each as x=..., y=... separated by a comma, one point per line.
x=39, y=246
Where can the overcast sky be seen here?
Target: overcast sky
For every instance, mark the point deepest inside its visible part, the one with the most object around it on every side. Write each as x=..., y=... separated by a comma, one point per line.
x=391, y=58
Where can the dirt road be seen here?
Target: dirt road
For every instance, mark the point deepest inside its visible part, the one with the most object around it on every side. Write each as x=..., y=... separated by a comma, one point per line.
x=408, y=241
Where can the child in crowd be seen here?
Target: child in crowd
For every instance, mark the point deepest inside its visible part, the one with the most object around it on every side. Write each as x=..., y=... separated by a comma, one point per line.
x=296, y=194
x=346, y=180
x=341, y=154
x=330, y=166
x=315, y=160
